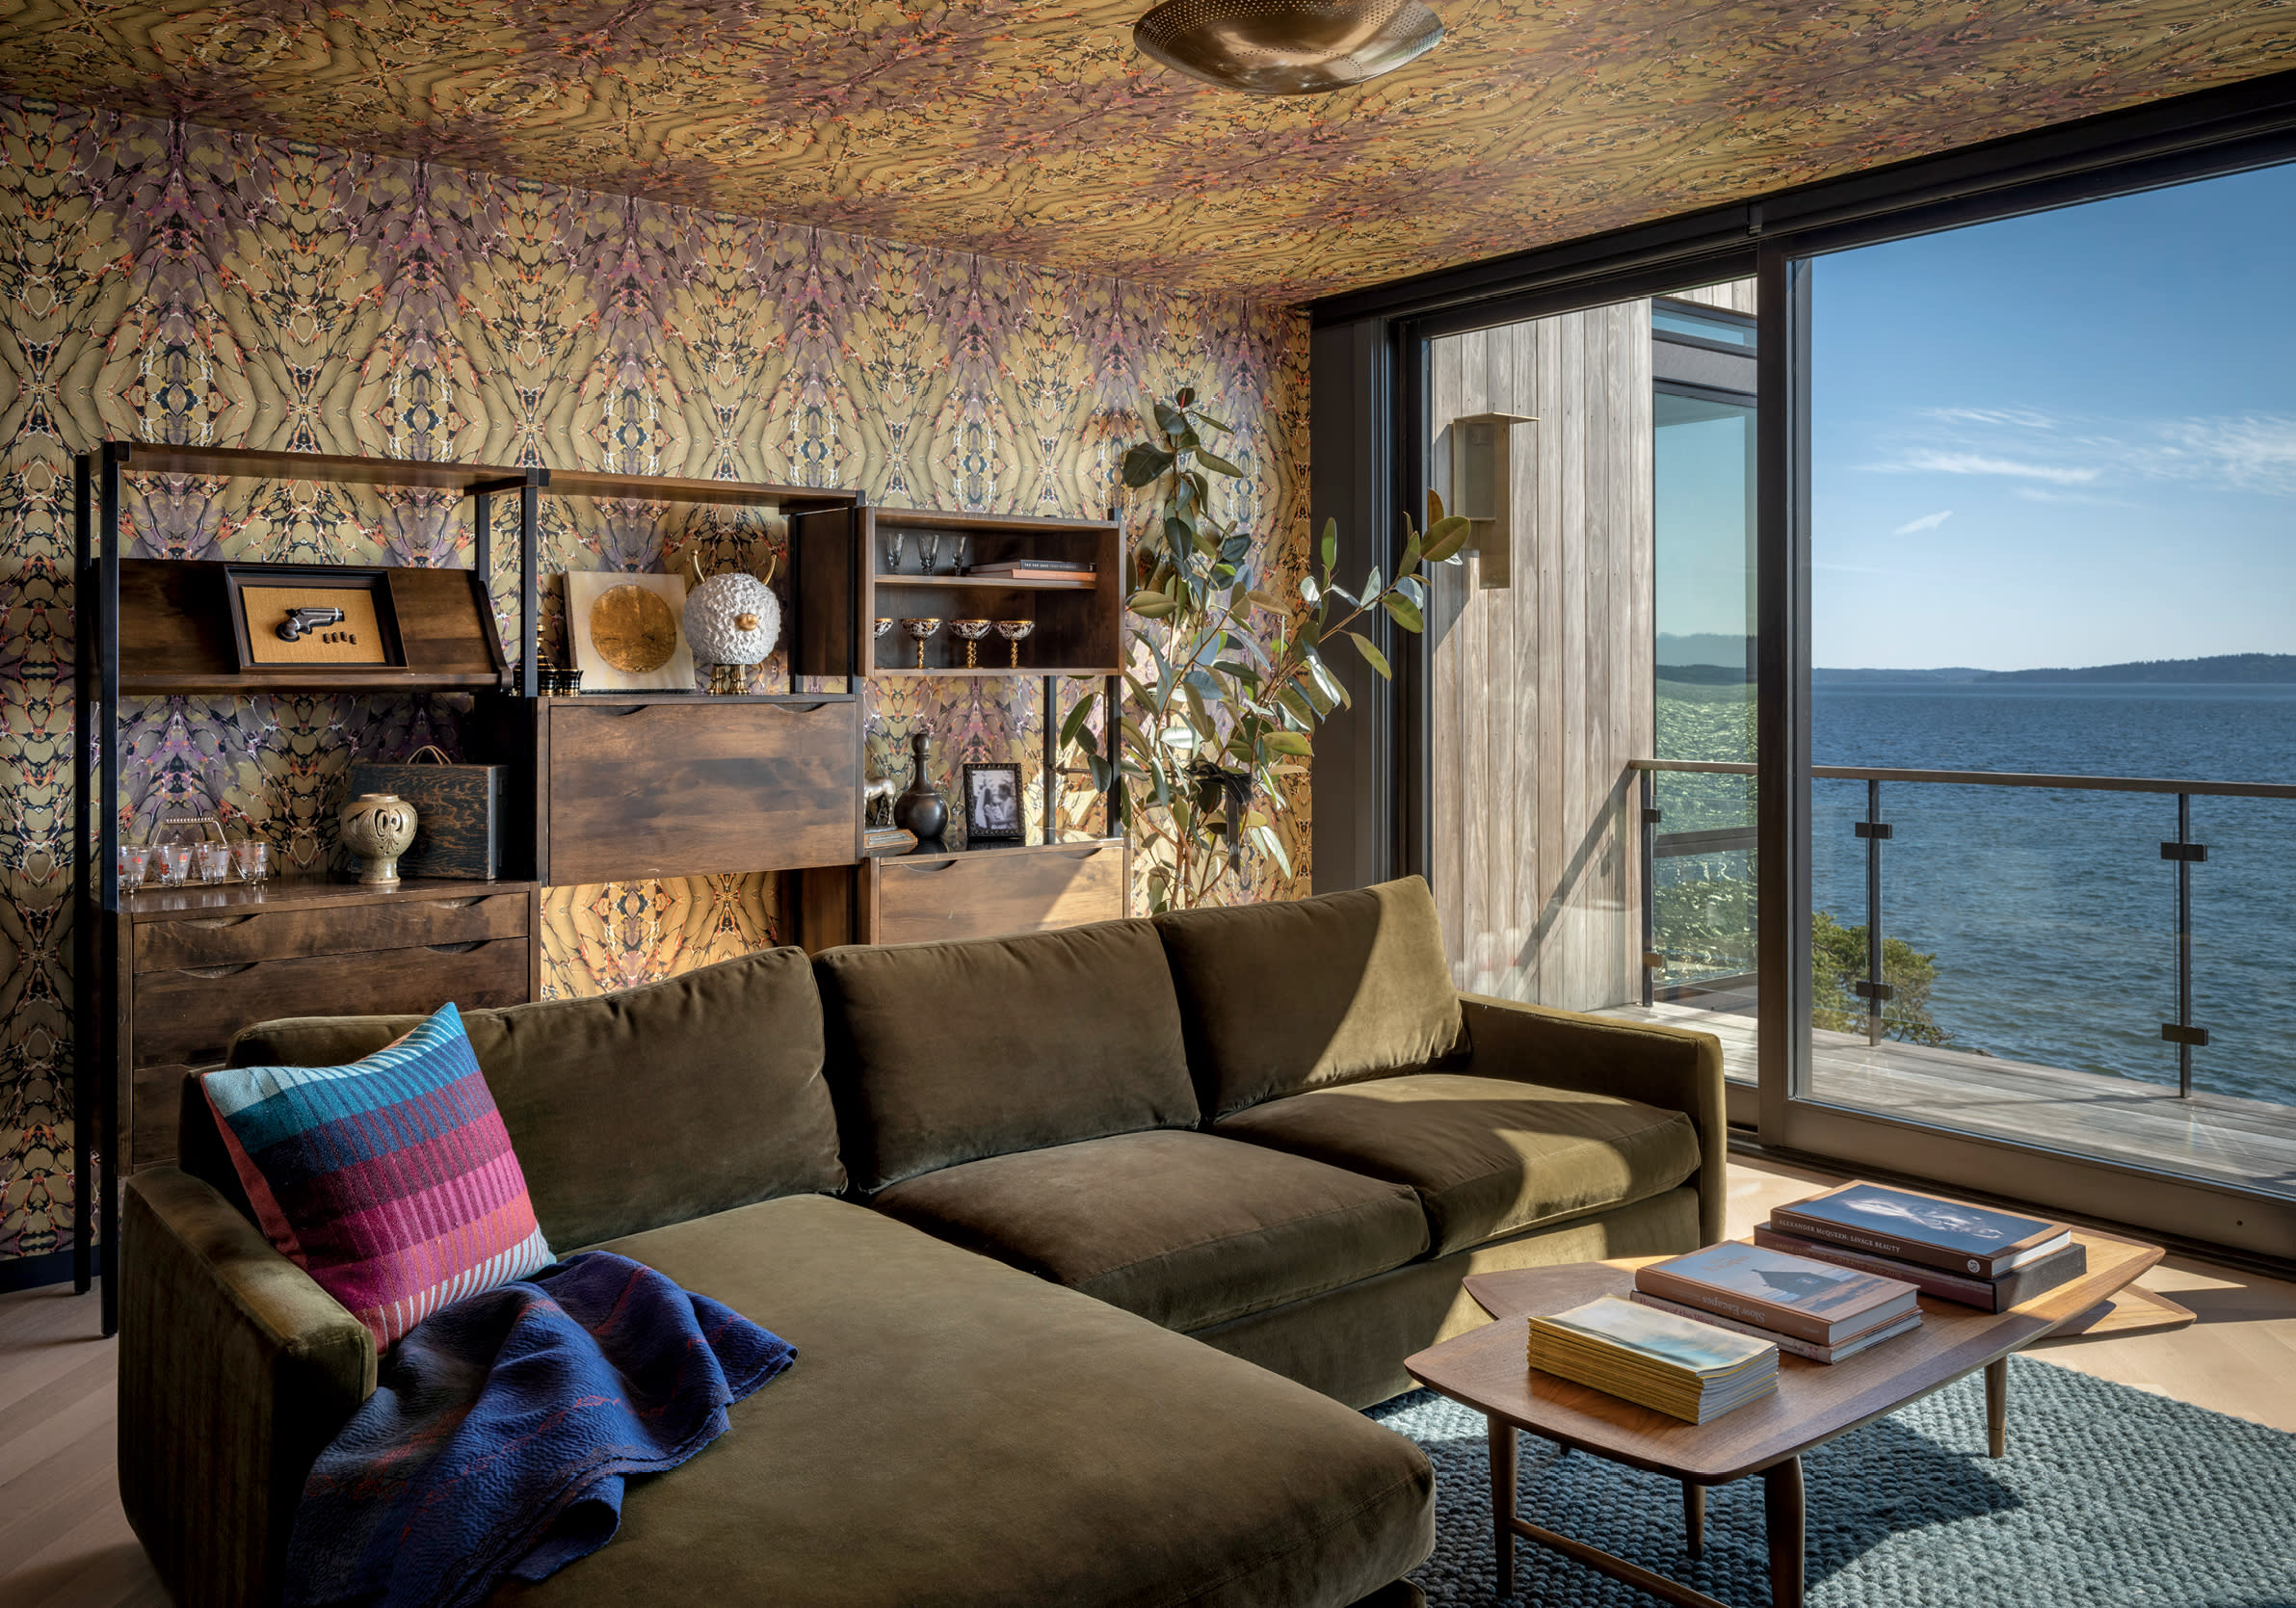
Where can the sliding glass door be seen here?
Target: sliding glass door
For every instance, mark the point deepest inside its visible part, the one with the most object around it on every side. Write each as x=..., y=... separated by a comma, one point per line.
x=2045, y=479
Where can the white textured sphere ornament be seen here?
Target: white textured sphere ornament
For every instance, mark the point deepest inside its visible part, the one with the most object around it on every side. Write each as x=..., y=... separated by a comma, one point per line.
x=732, y=619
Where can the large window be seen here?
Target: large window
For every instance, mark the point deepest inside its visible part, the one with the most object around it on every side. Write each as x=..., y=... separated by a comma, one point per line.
x=2052, y=640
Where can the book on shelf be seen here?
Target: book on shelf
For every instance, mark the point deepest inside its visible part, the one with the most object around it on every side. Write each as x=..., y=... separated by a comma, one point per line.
x=1818, y=1303
x=1909, y=1227
x=1034, y=566
x=1989, y=1295
x=1848, y=1346
x=890, y=840
x=1679, y=1366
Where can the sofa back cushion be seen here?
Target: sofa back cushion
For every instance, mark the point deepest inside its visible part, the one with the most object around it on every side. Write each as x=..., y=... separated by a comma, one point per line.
x=942, y=1053
x=1288, y=996
x=633, y=1110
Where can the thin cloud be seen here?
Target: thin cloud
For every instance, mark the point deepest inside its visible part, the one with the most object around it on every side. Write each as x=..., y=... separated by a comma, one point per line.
x=2020, y=418
x=1927, y=522
x=1979, y=463
x=2034, y=494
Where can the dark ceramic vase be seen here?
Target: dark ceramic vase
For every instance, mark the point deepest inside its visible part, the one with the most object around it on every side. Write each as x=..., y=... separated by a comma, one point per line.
x=920, y=810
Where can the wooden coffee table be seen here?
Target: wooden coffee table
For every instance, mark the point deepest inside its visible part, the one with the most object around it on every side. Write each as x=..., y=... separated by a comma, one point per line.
x=1815, y=1402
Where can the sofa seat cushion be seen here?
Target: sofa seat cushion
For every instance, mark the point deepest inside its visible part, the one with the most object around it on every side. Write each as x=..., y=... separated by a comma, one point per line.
x=955, y=1434
x=1185, y=1229
x=1487, y=1156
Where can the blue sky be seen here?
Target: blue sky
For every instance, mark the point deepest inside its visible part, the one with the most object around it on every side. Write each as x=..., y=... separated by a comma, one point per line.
x=2062, y=439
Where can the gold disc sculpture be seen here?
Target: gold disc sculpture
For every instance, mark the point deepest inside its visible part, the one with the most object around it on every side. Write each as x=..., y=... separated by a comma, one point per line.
x=633, y=629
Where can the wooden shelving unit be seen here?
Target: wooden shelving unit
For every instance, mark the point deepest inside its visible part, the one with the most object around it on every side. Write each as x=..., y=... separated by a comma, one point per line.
x=151, y=627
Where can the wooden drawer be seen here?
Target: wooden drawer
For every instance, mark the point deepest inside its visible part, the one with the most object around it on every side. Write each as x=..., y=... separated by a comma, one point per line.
x=188, y=1015
x=237, y=937
x=690, y=788
x=996, y=892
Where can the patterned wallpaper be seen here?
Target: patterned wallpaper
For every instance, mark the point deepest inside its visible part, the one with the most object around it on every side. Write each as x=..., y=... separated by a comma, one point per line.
x=170, y=282
x=1032, y=129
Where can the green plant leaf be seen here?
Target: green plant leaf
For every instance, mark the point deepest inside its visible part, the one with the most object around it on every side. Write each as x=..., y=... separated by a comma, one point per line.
x=1445, y=540
x=1202, y=417
x=1371, y=583
x=1152, y=605
x=1302, y=712
x=1169, y=419
x=1145, y=465
x=1404, y=612
x=1310, y=592
x=1410, y=552
x=1265, y=599
x=1372, y=656
x=1219, y=465
x=1330, y=539
x=1413, y=588
x=1071, y=727
x=1289, y=742
x=1101, y=776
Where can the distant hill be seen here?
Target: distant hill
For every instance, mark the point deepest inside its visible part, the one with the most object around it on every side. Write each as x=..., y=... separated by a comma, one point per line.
x=2235, y=668
x=1948, y=672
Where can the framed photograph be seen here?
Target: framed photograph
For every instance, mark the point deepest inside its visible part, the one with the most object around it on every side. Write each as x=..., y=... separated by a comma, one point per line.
x=992, y=804
x=629, y=631
x=289, y=617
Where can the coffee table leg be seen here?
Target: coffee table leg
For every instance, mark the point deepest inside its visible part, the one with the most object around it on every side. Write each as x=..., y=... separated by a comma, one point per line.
x=1996, y=1406
x=1502, y=1502
x=1694, y=1517
x=1781, y=1503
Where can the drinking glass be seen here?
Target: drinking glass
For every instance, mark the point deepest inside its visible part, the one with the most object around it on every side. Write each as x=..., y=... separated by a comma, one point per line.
x=919, y=630
x=175, y=863
x=929, y=554
x=134, y=861
x=213, y=860
x=1013, y=630
x=972, y=631
x=253, y=857
x=892, y=552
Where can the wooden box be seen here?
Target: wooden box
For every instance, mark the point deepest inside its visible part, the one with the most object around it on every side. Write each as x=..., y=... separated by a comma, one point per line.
x=458, y=815
x=989, y=893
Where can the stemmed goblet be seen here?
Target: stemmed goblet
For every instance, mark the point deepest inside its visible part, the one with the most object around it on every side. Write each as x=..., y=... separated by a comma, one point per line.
x=1013, y=631
x=919, y=630
x=972, y=631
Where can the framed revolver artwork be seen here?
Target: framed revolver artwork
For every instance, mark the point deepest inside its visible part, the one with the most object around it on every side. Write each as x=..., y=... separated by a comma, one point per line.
x=283, y=615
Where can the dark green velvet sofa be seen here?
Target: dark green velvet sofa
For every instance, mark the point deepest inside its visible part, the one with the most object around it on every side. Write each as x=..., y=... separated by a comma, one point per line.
x=1089, y=1242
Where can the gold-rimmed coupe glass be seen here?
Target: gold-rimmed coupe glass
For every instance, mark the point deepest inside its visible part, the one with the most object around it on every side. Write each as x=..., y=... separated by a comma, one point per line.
x=919, y=630
x=972, y=631
x=1013, y=631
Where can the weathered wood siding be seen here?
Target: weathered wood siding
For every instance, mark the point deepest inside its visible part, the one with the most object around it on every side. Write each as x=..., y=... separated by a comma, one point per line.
x=1543, y=690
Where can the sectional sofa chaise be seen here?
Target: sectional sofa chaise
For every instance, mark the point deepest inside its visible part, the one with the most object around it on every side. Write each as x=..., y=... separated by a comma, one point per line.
x=1088, y=1240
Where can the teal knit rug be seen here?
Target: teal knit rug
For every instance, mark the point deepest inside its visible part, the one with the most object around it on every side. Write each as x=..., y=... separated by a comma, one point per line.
x=2109, y=1497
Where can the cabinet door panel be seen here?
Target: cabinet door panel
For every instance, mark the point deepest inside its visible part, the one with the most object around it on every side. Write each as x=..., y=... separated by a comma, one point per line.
x=683, y=790
x=233, y=938
x=996, y=894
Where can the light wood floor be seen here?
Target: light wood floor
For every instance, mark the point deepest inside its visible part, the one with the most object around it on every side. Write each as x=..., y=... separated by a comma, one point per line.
x=65, y=1543
x=2244, y=1141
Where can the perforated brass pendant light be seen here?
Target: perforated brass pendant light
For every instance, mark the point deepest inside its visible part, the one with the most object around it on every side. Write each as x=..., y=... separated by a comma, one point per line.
x=1288, y=47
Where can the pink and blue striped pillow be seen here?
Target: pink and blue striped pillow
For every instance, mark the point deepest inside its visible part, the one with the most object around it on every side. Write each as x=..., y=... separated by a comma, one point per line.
x=390, y=1181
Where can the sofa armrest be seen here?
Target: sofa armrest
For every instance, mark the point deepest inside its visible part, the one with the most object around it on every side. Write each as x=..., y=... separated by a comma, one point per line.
x=1670, y=1068
x=235, y=1371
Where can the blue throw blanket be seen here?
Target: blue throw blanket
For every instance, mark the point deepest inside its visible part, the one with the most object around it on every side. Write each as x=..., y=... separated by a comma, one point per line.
x=499, y=1433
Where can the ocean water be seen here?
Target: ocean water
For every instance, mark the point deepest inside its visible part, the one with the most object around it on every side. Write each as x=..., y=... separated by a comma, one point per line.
x=2050, y=912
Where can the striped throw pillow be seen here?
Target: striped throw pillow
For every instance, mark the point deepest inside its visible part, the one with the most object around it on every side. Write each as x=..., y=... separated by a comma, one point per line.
x=390, y=1181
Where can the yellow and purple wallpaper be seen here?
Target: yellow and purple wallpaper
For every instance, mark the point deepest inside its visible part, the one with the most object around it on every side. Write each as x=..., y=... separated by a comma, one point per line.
x=1033, y=129
x=172, y=283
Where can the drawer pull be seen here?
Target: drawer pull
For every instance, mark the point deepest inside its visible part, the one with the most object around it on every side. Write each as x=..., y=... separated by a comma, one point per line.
x=220, y=971
x=456, y=904
x=456, y=948
x=617, y=710
x=801, y=708
x=218, y=921
x=930, y=870
x=1084, y=854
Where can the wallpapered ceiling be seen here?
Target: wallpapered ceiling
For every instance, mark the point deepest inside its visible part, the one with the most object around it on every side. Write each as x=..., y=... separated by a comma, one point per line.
x=1033, y=130
x=174, y=284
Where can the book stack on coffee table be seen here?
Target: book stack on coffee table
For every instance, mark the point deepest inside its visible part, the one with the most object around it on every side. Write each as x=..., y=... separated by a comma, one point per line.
x=1972, y=1254
x=1803, y=1306
x=1674, y=1366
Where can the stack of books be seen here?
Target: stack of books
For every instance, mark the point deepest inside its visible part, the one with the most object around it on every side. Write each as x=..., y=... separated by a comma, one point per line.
x=1803, y=1306
x=1979, y=1257
x=1682, y=1368
x=1047, y=569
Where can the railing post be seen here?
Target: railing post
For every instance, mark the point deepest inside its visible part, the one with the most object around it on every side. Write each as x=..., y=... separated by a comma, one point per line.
x=1874, y=830
x=2182, y=1033
x=1649, y=838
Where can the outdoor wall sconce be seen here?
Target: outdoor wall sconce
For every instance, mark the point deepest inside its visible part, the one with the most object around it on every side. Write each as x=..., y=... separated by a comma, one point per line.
x=1482, y=491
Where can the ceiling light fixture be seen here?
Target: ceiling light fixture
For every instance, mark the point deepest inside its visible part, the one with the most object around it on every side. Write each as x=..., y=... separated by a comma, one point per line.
x=1288, y=47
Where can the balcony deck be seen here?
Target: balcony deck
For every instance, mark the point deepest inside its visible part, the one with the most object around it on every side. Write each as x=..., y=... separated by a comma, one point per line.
x=2222, y=1137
